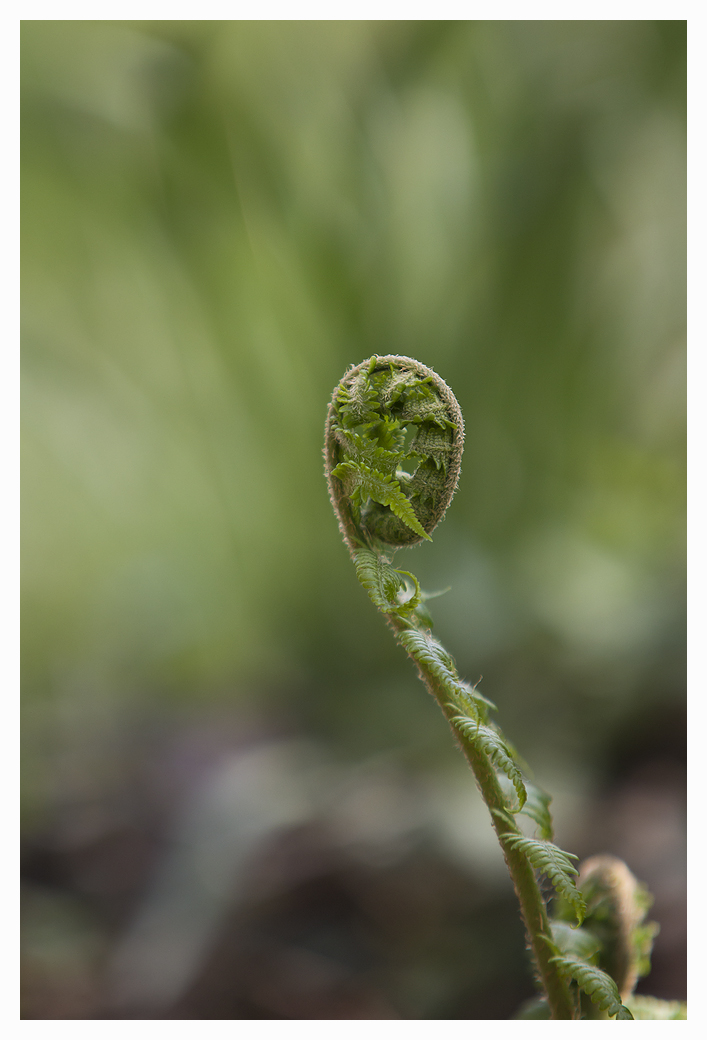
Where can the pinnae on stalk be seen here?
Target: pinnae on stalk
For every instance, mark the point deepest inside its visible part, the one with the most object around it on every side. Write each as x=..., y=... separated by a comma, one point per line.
x=393, y=447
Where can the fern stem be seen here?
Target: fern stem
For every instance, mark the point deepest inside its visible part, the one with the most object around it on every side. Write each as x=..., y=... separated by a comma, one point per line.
x=532, y=904
x=389, y=415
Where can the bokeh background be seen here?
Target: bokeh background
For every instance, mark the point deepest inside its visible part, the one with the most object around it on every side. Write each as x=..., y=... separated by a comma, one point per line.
x=239, y=801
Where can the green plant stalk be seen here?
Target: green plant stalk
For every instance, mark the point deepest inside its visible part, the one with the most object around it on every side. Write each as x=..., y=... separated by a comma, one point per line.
x=530, y=898
x=393, y=446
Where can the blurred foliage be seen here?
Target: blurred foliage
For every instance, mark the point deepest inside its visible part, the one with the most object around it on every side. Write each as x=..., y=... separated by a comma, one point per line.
x=218, y=218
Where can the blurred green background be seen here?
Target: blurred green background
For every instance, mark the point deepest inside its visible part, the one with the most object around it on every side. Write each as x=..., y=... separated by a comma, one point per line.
x=220, y=217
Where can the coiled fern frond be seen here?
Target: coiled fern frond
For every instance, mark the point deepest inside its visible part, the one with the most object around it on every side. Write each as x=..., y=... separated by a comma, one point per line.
x=393, y=445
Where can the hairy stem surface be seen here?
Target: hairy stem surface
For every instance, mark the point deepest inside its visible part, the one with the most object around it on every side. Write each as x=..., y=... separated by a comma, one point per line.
x=393, y=445
x=532, y=904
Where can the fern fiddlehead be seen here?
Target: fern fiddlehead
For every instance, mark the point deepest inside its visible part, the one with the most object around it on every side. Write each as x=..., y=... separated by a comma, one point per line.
x=393, y=446
x=612, y=950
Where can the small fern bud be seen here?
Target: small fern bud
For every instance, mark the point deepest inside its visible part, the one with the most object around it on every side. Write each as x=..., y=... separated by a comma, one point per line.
x=393, y=446
x=616, y=910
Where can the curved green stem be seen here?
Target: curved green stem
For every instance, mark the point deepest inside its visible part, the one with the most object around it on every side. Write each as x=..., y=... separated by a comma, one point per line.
x=393, y=446
x=532, y=904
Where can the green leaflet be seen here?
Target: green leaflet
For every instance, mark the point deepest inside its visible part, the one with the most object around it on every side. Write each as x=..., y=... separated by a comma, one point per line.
x=493, y=745
x=575, y=942
x=378, y=578
x=617, y=905
x=550, y=860
x=537, y=807
x=382, y=488
x=426, y=649
x=433, y=443
x=467, y=696
x=357, y=402
x=371, y=454
x=599, y=987
x=423, y=616
x=384, y=584
x=414, y=602
x=643, y=936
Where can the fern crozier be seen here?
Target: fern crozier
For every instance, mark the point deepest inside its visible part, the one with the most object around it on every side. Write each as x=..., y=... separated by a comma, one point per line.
x=393, y=446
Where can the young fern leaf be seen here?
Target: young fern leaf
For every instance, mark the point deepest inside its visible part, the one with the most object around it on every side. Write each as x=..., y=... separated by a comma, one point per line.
x=467, y=700
x=370, y=453
x=575, y=942
x=550, y=860
x=384, y=584
x=413, y=603
x=614, y=937
x=357, y=402
x=423, y=648
x=394, y=438
x=617, y=906
x=537, y=807
x=599, y=987
x=494, y=746
x=381, y=488
x=378, y=578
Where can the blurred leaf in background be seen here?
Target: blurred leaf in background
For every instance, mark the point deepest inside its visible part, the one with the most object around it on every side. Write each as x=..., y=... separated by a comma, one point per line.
x=218, y=218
